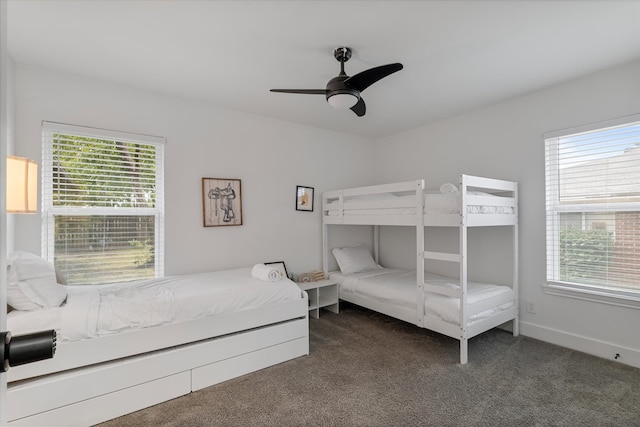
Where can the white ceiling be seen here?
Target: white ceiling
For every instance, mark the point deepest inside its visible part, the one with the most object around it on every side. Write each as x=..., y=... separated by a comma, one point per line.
x=457, y=55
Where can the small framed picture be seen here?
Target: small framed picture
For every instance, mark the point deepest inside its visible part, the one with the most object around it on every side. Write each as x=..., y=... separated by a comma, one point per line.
x=304, y=198
x=221, y=202
x=280, y=266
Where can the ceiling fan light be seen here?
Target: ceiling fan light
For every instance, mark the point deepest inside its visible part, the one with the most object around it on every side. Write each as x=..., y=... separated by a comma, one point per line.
x=342, y=101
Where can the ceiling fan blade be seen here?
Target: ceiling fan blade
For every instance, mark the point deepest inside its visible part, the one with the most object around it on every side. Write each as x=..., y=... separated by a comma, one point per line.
x=360, y=108
x=303, y=91
x=366, y=78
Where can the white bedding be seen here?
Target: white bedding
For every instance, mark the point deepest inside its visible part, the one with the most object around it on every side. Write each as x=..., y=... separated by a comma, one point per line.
x=448, y=203
x=93, y=311
x=398, y=287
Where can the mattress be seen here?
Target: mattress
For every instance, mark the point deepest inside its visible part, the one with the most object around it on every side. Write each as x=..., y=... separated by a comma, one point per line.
x=434, y=203
x=398, y=287
x=94, y=311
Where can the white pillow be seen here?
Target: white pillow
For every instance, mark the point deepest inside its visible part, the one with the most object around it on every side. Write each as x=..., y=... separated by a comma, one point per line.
x=32, y=283
x=449, y=188
x=354, y=260
x=15, y=297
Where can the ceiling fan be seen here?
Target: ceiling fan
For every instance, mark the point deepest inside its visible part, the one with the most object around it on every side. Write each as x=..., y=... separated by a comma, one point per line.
x=342, y=91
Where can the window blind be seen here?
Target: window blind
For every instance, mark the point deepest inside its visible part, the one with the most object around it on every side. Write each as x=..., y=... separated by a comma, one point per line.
x=102, y=203
x=593, y=209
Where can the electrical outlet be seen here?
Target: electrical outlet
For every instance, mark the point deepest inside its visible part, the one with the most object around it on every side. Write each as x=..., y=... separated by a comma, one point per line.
x=531, y=306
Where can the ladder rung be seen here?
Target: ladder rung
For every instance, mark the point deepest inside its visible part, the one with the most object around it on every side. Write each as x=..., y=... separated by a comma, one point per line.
x=442, y=256
x=443, y=290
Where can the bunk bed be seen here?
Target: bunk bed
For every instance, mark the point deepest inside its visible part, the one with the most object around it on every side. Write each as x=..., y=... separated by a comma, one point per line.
x=455, y=307
x=124, y=348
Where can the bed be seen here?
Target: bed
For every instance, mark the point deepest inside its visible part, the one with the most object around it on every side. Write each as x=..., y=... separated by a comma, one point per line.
x=455, y=307
x=123, y=348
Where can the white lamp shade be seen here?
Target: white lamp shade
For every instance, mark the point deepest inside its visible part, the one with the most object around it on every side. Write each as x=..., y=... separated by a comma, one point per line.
x=343, y=101
x=22, y=185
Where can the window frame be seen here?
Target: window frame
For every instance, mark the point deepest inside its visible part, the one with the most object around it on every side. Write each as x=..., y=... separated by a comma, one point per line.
x=593, y=293
x=49, y=211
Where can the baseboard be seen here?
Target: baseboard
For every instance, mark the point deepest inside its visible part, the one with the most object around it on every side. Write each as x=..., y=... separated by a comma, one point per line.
x=628, y=356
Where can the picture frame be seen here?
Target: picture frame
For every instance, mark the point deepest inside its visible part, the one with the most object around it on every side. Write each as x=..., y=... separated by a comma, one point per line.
x=280, y=266
x=304, y=198
x=221, y=202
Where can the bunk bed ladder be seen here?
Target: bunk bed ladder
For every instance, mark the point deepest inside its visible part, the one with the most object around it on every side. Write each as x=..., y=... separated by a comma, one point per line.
x=460, y=258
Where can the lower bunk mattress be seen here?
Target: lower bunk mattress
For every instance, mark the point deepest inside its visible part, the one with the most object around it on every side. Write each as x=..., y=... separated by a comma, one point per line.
x=397, y=290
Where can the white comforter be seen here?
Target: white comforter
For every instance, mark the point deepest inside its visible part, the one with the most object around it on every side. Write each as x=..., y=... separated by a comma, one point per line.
x=398, y=287
x=92, y=311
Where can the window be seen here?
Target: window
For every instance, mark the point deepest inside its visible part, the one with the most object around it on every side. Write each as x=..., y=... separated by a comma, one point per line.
x=593, y=211
x=102, y=204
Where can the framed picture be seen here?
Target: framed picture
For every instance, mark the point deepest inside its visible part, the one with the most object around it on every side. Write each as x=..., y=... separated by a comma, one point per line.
x=221, y=202
x=280, y=266
x=304, y=198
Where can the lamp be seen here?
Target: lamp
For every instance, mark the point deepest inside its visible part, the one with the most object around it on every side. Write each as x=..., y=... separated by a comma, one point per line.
x=343, y=101
x=22, y=185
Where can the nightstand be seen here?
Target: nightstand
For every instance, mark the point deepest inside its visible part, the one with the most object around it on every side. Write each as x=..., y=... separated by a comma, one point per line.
x=322, y=294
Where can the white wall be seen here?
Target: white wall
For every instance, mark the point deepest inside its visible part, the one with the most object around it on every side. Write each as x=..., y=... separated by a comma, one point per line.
x=270, y=157
x=506, y=141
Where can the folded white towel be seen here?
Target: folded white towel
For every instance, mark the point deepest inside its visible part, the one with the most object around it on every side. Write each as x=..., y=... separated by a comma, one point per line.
x=448, y=188
x=263, y=272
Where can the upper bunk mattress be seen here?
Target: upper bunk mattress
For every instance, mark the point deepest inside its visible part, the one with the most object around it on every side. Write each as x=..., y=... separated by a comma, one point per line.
x=97, y=310
x=434, y=203
x=398, y=287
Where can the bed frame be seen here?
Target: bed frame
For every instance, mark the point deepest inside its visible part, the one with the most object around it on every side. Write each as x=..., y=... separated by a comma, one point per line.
x=462, y=220
x=91, y=381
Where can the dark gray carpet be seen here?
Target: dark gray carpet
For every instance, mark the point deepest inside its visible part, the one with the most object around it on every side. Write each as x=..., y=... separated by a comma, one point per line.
x=366, y=369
